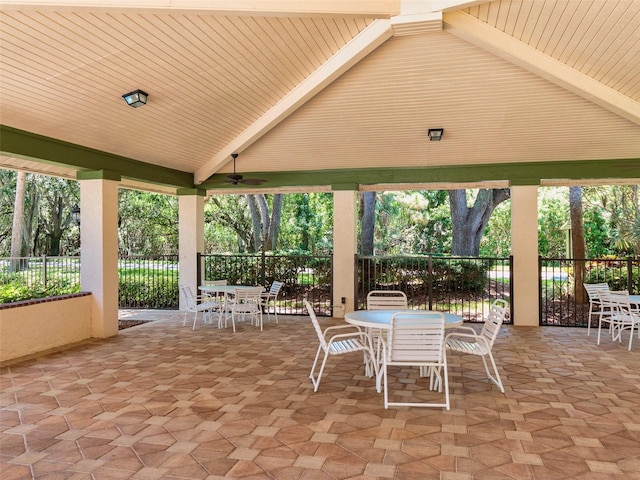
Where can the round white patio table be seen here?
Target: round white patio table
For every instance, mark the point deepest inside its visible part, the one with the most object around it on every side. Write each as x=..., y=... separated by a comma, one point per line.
x=381, y=319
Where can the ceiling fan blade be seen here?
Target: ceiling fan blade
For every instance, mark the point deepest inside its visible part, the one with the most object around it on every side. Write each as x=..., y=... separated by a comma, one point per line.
x=234, y=177
x=252, y=181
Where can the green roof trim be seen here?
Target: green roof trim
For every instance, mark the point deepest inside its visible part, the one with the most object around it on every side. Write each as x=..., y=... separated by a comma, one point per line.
x=344, y=186
x=192, y=191
x=22, y=144
x=98, y=175
x=531, y=173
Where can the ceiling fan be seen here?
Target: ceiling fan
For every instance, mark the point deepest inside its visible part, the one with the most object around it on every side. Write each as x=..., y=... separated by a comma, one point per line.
x=235, y=178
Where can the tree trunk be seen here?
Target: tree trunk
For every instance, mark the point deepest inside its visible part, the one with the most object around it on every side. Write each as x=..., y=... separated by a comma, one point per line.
x=469, y=222
x=577, y=240
x=368, y=221
x=256, y=223
x=274, y=224
x=18, y=223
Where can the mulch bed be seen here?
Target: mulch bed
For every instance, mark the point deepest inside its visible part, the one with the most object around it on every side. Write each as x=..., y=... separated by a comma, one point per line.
x=122, y=324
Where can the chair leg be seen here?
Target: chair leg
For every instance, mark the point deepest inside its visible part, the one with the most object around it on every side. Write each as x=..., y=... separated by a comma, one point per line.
x=495, y=379
x=316, y=380
x=195, y=319
x=599, y=328
x=385, y=386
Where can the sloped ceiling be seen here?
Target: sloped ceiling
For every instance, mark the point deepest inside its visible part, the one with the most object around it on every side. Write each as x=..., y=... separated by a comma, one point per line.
x=320, y=93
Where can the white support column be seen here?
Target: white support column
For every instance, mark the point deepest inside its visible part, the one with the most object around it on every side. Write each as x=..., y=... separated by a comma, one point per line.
x=99, y=251
x=524, y=248
x=191, y=237
x=344, y=250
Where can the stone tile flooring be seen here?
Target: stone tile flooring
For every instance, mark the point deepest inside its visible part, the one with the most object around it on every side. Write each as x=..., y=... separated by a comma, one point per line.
x=161, y=401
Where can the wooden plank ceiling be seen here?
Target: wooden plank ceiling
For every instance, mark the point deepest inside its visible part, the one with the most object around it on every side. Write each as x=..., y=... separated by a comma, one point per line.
x=323, y=85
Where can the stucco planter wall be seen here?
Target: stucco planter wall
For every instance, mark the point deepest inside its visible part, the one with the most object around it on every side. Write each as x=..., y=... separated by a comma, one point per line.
x=38, y=325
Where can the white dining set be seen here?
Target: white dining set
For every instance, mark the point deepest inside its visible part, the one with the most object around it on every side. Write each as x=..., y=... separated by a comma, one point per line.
x=223, y=302
x=392, y=336
x=617, y=311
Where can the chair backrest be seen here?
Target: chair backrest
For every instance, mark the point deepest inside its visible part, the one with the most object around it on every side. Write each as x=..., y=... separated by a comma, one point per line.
x=316, y=325
x=215, y=282
x=248, y=294
x=387, y=300
x=594, y=289
x=416, y=337
x=615, y=301
x=491, y=327
x=188, y=296
x=275, y=288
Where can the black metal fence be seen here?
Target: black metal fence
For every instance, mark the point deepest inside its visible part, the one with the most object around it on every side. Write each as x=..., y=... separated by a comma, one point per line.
x=37, y=277
x=465, y=286
x=148, y=282
x=563, y=300
x=303, y=276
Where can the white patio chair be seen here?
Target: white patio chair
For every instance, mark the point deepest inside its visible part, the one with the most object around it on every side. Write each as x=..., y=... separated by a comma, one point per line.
x=417, y=339
x=595, y=304
x=197, y=304
x=384, y=300
x=619, y=314
x=247, y=304
x=466, y=340
x=336, y=340
x=387, y=300
x=222, y=300
x=269, y=299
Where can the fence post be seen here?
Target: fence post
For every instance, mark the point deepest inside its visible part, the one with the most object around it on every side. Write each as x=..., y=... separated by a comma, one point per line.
x=198, y=268
x=44, y=271
x=629, y=276
x=430, y=281
x=263, y=266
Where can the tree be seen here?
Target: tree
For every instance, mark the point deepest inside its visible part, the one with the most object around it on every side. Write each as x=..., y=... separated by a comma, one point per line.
x=577, y=238
x=147, y=223
x=56, y=199
x=367, y=222
x=468, y=223
x=274, y=227
x=17, y=247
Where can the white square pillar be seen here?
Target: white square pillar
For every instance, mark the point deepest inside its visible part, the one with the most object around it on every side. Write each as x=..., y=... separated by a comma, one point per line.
x=191, y=238
x=524, y=248
x=344, y=250
x=99, y=251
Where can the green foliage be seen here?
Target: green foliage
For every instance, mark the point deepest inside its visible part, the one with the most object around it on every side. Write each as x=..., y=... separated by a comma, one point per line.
x=596, y=234
x=412, y=222
x=460, y=275
x=138, y=291
x=450, y=274
x=19, y=290
x=294, y=270
x=496, y=241
x=148, y=223
x=616, y=275
x=306, y=223
x=553, y=222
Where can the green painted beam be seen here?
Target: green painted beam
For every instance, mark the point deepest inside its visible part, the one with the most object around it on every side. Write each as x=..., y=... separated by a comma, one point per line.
x=22, y=144
x=515, y=173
